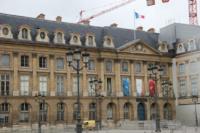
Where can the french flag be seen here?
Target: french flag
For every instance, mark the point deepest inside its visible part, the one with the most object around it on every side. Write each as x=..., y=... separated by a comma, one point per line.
x=137, y=15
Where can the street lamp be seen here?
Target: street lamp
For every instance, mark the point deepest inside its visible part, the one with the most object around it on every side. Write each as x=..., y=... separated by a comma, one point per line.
x=41, y=100
x=155, y=74
x=97, y=96
x=195, y=100
x=74, y=59
x=166, y=88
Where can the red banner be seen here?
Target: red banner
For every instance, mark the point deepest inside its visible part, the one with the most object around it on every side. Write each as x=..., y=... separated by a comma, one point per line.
x=151, y=87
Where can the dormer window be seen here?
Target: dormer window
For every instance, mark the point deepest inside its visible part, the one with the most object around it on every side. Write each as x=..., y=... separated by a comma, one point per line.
x=191, y=45
x=24, y=33
x=5, y=31
x=75, y=39
x=59, y=37
x=90, y=40
x=108, y=42
x=180, y=48
x=163, y=47
x=42, y=35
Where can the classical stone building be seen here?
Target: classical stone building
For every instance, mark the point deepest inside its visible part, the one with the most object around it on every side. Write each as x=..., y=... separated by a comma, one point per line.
x=184, y=39
x=33, y=61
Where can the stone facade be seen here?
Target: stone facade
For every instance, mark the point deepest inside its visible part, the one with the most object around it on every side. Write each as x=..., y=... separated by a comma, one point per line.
x=30, y=67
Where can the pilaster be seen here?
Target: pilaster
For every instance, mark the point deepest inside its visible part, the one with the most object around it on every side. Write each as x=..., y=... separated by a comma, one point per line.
x=52, y=78
x=15, y=74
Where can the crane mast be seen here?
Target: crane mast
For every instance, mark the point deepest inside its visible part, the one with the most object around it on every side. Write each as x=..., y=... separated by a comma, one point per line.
x=102, y=12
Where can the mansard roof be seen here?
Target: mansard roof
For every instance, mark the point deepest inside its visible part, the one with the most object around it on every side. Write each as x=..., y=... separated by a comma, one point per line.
x=120, y=36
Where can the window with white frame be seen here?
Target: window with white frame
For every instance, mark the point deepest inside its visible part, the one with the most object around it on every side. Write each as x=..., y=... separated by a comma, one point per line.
x=43, y=85
x=43, y=111
x=91, y=65
x=4, y=112
x=5, y=60
x=108, y=65
x=24, y=33
x=90, y=41
x=75, y=89
x=42, y=62
x=182, y=87
x=181, y=68
x=124, y=66
x=24, y=61
x=91, y=86
x=59, y=37
x=24, y=85
x=194, y=85
x=193, y=67
x=24, y=112
x=60, y=111
x=138, y=67
x=164, y=70
x=5, y=84
x=60, y=63
x=59, y=85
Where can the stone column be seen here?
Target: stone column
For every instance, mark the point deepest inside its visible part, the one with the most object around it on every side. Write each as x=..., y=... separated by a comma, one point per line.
x=118, y=88
x=35, y=67
x=69, y=81
x=146, y=86
x=52, y=78
x=132, y=71
x=16, y=90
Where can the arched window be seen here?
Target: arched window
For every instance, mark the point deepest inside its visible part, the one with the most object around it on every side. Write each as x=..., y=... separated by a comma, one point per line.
x=167, y=111
x=43, y=112
x=4, y=112
x=75, y=110
x=75, y=39
x=59, y=37
x=141, y=112
x=24, y=33
x=60, y=111
x=92, y=111
x=127, y=111
x=110, y=111
x=90, y=40
x=5, y=31
x=24, y=112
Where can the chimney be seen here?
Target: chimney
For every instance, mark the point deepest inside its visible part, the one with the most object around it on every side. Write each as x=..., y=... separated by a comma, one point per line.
x=140, y=28
x=151, y=30
x=86, y=22
x=41, y=16
x=58, y=19
x=114, y=25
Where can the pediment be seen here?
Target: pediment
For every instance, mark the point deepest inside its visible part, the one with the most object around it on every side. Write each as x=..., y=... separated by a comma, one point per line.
x=138, y=46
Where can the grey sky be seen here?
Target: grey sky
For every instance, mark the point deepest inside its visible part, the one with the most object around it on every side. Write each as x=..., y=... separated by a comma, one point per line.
x=156, y=16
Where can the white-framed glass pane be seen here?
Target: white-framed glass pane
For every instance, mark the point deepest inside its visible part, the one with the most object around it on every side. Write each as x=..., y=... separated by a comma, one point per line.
x=60, y=63
x=43, y=85
x=91, y=86
x=24, y=85
x=5, y=60
x=181, y=68
x=60, y=85
x=138, y=68
x=124, y=66
x=182, y=86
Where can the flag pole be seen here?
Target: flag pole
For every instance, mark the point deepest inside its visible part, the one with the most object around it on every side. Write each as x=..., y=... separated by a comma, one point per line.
x=134, y=33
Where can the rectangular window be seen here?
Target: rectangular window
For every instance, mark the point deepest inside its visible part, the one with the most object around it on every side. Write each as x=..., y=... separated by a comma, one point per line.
x=108, y=66
x=5, y=60
x=193, y=67
x=25, y=61
x=181, y=68
x=42, y=62
x=43, y=85
x=60, y=63
x=5, y=84
x=24, y=85
x=91, y=87
x=164, y=71
x=91, y=65
x=194, y=86
x=125, y=82
x=124, y=66
x=138, y=68
x=139, y=87
x=60, y=85
x=109, y=86
x=182, y=86
x=75, y=90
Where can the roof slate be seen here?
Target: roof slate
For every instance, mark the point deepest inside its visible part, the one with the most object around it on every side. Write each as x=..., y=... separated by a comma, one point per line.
x=120, y=36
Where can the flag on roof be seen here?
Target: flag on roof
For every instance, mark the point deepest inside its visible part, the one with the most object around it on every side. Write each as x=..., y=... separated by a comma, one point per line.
x=137, y=15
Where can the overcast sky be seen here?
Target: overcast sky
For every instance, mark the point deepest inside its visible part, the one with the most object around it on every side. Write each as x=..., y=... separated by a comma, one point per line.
x=156, y=16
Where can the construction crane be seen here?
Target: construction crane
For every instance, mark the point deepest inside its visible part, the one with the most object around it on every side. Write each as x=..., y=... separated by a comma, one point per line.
x=192, y=6
x=86, y=20
x=193, y=12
